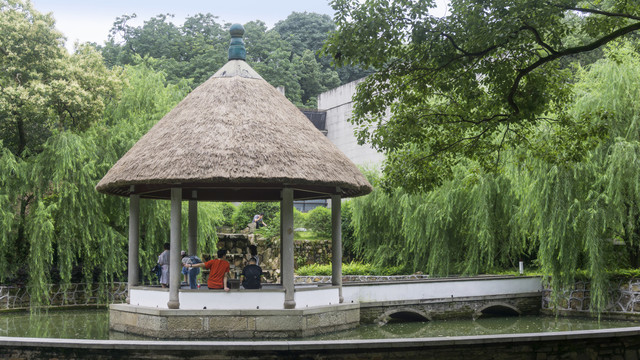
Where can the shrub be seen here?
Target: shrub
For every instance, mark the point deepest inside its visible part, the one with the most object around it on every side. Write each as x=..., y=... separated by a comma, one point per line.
x=299, y=219
x=272, y=230
x=243, y=214
x=319, y=221
x=351, y=268
x=314, y=269
x=227, y=211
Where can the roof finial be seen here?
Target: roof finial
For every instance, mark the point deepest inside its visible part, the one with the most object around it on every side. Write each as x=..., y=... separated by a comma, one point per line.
x=236, y=49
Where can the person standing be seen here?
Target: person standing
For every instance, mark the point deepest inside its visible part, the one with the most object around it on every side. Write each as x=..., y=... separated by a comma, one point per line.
x=163, y=261
x=185, y=270
x=192, y=271
x=218, y=271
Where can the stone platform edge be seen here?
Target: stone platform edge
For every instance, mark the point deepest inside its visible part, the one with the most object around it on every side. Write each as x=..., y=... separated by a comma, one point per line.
x=257, y=345
x=232, y=324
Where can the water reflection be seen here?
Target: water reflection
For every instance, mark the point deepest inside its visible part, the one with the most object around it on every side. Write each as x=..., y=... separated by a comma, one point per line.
x=70, y=324
x=481, y=326
x=94, y=324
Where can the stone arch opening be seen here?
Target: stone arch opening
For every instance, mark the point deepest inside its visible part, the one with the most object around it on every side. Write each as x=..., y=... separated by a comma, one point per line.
x=403, y=315
x=497, y=310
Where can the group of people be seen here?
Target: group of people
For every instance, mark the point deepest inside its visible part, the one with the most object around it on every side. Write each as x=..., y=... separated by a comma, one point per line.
x=218, y=269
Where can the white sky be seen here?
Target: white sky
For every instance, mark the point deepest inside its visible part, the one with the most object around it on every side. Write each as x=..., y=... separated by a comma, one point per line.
x=90, y=20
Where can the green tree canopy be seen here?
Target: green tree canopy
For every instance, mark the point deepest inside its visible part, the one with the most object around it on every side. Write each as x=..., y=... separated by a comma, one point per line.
x=194, y=50
x=309, y=31
x=569, y=217
x=305, y=31
x=472, y=83
x=285, y=55
x=42, y=87
x=66, y=119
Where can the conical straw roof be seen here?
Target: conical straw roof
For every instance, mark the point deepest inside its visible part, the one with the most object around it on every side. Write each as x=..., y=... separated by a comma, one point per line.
x=234, y=138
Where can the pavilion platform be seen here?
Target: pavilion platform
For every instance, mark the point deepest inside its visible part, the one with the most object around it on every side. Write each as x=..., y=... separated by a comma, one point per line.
x=208, y=314
x=261, y=314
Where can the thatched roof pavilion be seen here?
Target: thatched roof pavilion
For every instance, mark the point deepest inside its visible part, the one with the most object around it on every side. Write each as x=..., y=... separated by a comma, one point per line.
x=233, y=138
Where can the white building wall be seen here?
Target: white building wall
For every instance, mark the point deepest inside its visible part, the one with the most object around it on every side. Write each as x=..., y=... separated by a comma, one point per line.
x=339, y=106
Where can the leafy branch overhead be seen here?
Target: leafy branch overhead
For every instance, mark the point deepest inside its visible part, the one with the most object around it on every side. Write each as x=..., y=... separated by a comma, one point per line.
x=482, y=79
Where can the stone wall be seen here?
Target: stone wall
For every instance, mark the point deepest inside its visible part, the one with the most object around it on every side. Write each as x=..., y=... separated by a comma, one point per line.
x=624, y=299
x=237, y=245
x=232, y=324
x=305, y=253
x=312, y=252
x=442, y=309
x=13, y=297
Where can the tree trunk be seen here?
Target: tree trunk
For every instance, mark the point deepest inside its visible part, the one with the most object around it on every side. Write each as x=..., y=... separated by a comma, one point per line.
x=22, y=137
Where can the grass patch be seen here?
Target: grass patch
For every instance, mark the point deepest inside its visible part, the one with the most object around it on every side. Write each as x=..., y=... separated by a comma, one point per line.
x=352, y=268
x=308, y=235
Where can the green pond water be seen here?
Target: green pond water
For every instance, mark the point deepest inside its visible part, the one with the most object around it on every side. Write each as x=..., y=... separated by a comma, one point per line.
x=94, y=324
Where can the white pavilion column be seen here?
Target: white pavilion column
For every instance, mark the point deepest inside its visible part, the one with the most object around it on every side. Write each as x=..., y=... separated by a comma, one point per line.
x=193, y=223
x=336, y=244
x=174, y=253
x=134, y=239
x=286, y=211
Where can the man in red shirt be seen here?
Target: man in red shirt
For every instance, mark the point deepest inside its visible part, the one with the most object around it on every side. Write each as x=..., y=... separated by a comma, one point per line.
x=218, y=271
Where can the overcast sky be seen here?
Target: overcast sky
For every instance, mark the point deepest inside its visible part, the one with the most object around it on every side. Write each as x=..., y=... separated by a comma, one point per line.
x=89, y=20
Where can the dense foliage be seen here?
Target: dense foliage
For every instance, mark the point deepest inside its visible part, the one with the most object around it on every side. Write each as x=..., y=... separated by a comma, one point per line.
x=65, y=120
x=244, y=213
x=350, y=268
x=471, y=84
x=460, y=228
x=570, y=218
x=318, y=220
x=284, y=56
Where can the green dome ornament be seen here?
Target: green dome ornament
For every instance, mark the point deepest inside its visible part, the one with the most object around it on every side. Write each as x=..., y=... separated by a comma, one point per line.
x=236, y=49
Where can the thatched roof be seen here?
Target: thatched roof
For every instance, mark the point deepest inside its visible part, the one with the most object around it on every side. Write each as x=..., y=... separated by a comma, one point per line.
x=234, y=138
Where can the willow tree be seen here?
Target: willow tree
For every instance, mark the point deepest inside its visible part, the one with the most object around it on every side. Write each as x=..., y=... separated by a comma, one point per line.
x=585, y=214
x=146, y=97
x=462, y=227
x=578, y=215
x=65, y=120
x=48, y=99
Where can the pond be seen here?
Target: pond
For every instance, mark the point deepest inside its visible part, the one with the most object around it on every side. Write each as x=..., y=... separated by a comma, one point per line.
x=94, y=324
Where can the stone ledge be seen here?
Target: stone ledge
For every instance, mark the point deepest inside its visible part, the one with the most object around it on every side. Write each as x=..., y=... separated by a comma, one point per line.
x=445, y=300
x=317, y=344
x=213, y=312
x=609, y=315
